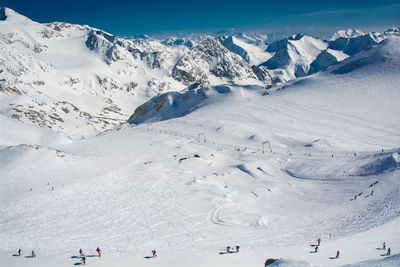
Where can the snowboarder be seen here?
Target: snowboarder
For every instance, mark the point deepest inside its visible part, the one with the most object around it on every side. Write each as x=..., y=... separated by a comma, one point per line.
x=98, y=251
x=384, y=246
x=237, y=249
x=154, y=253
x=316, y=249
x=80, y=252
x=388, y=252
x=319, y=241
x=33, y=255
x=337, y=254
x=228, y=248
x=19, y=252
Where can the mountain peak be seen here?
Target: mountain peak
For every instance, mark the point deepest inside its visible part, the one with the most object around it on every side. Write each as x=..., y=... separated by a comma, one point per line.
x=349, y=33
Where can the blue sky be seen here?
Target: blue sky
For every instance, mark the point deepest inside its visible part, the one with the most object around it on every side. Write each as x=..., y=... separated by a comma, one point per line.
x=156, y=16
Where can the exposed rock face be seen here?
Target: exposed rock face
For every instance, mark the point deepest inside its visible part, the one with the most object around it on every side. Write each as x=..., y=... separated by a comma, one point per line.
x=323, y=60
x=211, y=58
x=228, y=42
x=3, y=15
x=262, y=74
x=169, y=105
x=352, y=46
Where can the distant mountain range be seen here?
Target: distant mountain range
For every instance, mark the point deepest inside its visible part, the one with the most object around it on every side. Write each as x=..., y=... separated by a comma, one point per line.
x=68, y=77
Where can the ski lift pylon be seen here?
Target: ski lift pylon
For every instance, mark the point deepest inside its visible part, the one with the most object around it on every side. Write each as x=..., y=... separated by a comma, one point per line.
x=269, y=145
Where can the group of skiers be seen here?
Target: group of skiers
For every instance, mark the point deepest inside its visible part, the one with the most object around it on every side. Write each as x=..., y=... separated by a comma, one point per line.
x=384, y=248
x=338, y=252
x=319, y=243
x=228, y=249
x=33, y=253
x=83, y=256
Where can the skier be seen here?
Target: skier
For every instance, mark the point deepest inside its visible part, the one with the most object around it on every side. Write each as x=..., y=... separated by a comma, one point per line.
x=384, y=246
x=319, y=241
x=237, y=249
x=316, y=249
x=98, y=251
x=337, y=254
x=19, y=252
x=388, y=252
x=154, y=253
x=33, y=255
x=228, y=248
x=80, y=252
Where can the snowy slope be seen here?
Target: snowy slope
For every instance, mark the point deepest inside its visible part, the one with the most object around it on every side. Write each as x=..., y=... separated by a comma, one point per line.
x=190, y=186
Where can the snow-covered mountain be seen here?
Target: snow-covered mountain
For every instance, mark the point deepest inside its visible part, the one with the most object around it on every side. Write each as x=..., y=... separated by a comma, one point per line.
x=70, y=77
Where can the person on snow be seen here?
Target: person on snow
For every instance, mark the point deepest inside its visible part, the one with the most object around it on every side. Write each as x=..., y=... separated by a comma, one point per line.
x=154, y=253
x=80, y=252
x=337, y=254
x=33, y=255
x=19, y=252
x=388, y=252
x=228, y=248
x=84, y=260
x=384, y=246
x=316, y=249
x=319, y=241
x=237, y=248
x=98, y=251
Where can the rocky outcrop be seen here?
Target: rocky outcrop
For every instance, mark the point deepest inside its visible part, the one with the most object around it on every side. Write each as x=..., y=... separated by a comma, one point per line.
x=3, y=15
x=210, y=57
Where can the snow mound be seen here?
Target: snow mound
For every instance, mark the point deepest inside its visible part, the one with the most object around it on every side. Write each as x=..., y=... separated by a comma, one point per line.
x=172, y=105
x=378, y=164
x=392, y=261
x=169, y=105
x=290, y=263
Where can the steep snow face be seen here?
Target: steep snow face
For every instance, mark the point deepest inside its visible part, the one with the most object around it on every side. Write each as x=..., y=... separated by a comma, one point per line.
x=228, y=42
x=293, y=56
x=210, y=63
x=325, y=59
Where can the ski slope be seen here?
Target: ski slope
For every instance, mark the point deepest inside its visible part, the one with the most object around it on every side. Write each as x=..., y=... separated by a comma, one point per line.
x=163, y=186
